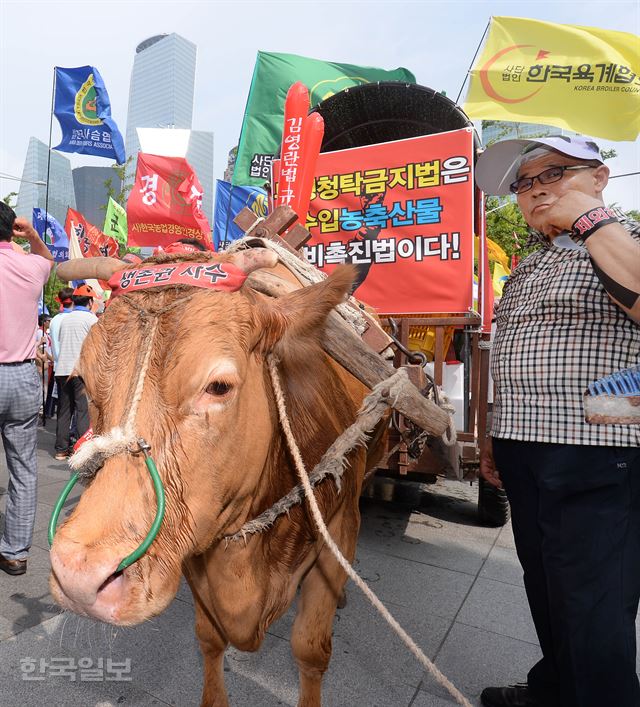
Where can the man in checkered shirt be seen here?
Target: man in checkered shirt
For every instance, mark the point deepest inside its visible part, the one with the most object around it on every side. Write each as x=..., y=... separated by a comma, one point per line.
x=569, y=315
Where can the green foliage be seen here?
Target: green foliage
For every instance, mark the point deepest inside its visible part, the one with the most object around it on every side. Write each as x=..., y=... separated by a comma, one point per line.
x=51, y=289
x=10, y=198
x=503, y=219
x=119, y=195
x=633, y=214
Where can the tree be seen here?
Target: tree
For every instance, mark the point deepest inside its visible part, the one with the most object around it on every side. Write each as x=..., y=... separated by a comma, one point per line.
x=10, y=198
x=503, y=219
x=120, y=194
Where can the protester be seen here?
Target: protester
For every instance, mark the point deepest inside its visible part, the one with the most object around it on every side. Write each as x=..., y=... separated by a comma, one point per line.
x=66, y=305
x=568, y=315
x=71, y=395
x=22, y=278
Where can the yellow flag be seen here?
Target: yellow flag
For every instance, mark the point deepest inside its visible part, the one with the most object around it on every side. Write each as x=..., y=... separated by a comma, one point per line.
x=495, y=252
x=500, y=276
x=583, y=79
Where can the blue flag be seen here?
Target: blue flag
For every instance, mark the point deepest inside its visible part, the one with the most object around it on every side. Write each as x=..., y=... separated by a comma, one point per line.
x=230, y=200
x=83, y=110
x=52, y=234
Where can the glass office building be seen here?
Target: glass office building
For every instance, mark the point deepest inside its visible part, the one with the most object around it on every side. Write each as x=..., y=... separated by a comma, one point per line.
x=161, y=95
x=494, y=130
x=92, y=193
x=61, y=193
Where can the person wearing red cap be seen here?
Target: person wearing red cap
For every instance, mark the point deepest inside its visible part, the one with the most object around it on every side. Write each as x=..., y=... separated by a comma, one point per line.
x=22, y=278
x=71, y=395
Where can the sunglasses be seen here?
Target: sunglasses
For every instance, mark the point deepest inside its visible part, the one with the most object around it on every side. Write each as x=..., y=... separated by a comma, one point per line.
x=549, y=176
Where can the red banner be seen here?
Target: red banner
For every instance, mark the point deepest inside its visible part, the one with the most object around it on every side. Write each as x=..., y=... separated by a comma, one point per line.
x=402, y=212
x=93, y=242
x=165, y=203
x=213, y=276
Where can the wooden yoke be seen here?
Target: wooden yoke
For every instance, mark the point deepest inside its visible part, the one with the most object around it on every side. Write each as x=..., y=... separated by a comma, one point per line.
x=360, y=356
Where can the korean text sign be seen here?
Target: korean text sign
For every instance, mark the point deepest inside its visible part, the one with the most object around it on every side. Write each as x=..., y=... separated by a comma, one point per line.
x=402, y=212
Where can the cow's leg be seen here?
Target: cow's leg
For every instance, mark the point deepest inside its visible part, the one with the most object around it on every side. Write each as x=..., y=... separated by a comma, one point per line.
x=311, y=636
x=212, y=645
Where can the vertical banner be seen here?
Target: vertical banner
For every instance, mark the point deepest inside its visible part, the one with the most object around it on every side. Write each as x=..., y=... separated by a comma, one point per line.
x=301, y=141
x=165, y=203
x=296, y=106
x=83, y=109
x=402, y=213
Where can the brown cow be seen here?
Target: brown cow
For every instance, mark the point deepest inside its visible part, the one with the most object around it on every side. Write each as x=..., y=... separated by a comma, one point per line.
x=207, y=410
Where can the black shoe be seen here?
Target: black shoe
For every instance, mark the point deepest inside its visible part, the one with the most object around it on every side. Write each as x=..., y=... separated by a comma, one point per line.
x=14, y=567
x=512, y=696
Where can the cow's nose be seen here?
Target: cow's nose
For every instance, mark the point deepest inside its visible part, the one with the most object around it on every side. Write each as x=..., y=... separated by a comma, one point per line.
x=80, y=572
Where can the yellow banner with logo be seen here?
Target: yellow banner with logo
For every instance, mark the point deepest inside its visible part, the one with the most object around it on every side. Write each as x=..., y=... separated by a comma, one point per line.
x=583, y=79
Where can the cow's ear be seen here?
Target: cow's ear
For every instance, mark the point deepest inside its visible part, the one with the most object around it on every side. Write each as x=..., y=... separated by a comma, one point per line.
x=301, y=314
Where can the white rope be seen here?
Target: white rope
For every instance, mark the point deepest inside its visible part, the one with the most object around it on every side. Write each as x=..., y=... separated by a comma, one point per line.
x=258, y=221
x=137, y=396
x=306, y=273
x=322, y=528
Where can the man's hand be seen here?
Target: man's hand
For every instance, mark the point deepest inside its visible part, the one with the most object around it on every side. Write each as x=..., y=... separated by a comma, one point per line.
x=560, y=216
x=23, y=229
x=488, y=469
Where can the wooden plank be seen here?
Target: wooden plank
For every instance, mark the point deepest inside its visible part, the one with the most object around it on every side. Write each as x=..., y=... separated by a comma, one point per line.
x=342, y=343
x=297, y=237
x=276, y=222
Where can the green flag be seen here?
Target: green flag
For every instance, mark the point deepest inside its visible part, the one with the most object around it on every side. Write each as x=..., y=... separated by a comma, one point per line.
x=264, y=114
x=115, y=222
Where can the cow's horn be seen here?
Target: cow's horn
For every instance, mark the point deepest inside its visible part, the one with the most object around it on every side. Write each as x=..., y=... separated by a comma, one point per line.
x=254, y=259
x=89, y=268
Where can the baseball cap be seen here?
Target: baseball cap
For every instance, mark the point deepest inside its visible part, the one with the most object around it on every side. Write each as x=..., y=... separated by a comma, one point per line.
x=497, y=167
x=85, y=291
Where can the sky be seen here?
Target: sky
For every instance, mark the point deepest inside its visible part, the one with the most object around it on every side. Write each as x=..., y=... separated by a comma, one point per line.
x=435, y=40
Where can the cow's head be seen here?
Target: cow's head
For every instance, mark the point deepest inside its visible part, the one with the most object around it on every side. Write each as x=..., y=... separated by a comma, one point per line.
x=206, y=408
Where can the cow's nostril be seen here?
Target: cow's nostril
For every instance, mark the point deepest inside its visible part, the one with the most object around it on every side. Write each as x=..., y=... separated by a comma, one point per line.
x=109, y=580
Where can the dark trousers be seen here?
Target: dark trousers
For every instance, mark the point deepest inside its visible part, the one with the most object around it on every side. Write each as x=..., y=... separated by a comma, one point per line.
x=71, y=399
x=576, y=523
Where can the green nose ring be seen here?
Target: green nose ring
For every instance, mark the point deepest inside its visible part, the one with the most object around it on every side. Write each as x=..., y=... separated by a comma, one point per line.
x=155, y=527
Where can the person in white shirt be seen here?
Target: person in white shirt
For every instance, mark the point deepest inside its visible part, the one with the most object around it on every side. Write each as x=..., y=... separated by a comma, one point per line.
x=72, y=399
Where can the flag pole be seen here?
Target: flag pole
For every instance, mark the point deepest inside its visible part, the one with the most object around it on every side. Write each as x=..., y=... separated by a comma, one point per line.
x=46, y=225
x=486, y=29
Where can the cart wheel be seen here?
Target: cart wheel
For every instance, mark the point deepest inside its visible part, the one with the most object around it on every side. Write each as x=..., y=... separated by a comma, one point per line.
x=493, y=506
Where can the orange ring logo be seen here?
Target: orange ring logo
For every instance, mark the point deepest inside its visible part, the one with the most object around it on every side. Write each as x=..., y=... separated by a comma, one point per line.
x=484, y=77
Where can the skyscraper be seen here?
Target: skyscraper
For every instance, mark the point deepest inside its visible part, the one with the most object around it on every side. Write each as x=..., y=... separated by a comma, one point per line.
x=161, y=95
x=91, y=191
x=61, y=194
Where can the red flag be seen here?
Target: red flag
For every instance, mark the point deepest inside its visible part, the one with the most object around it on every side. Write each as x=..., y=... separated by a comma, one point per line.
x=93, y=242
x=165, y=203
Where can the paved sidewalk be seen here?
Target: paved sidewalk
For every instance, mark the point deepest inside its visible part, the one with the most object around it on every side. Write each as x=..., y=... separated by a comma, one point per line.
x=456, y=588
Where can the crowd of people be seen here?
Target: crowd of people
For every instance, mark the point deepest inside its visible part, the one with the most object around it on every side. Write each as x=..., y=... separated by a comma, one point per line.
x=569, y=315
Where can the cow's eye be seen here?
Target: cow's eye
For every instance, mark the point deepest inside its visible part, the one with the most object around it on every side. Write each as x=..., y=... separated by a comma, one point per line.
x=219, y=389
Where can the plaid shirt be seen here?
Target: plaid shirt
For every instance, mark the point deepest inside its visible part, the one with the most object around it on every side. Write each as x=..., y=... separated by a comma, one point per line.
x=556, y=332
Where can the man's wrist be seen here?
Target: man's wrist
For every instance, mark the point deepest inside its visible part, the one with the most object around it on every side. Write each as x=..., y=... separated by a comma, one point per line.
x=592, y=220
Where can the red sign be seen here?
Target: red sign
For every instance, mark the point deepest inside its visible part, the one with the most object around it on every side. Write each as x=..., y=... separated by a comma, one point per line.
x=212, y=276
x=93, y=242
x=165, y=203
x=402, y=212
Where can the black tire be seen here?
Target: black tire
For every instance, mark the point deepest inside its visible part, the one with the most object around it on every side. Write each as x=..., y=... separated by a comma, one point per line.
x=493, y=506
